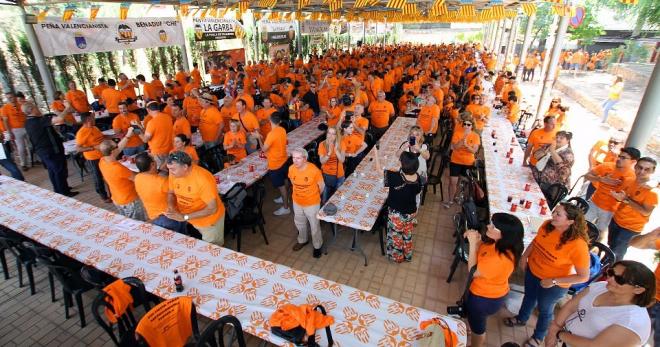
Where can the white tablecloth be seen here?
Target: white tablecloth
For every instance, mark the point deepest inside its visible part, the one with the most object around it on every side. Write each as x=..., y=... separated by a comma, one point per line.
x=219, y=280
x=362, y=195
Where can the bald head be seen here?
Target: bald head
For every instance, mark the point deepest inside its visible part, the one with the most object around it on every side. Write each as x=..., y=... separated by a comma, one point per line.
x=106, y=147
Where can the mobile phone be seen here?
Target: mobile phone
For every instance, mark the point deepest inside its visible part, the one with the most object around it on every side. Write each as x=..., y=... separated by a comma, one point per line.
x=136, y=129
x=412, y=140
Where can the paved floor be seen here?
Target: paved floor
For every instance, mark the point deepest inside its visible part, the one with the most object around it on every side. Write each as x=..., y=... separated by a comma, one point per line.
x=35, y=321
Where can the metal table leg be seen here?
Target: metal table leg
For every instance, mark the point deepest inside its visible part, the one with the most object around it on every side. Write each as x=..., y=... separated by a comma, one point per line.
x=356, y=245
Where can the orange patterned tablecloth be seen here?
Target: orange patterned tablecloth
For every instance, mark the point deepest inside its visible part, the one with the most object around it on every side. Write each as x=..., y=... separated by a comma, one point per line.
x=504, y=179
x=362, y=195
x=219, y=280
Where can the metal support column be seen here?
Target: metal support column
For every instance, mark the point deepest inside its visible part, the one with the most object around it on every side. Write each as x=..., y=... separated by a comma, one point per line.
x=493, y=38
x=39, y=58
x=184, y=51
x=647, y=114
x=511, y=44
x=526, y=43
x=500, y=43
x=299, y=38
x=549, y=43
x=552, y=66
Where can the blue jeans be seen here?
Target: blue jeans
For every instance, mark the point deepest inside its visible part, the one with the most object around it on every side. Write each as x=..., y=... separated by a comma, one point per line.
x=478, y=309
x=544, y=298
x=10, y=166
x=129, y=151
x=607, y=106
x=654, y=312
x=171, y=224
x=55, y=163
x=99, y=183
x=330, y=189
x=618, y=239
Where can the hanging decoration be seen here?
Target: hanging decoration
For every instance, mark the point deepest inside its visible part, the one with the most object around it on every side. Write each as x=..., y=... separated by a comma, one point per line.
x=529, y=9
x=267, y=3
x=41, y=14
x=123, y=10
x=576, y=20
x=184, y=7
x=302, y=4
x=68, y=13
x=629, y=2
x=94, y=11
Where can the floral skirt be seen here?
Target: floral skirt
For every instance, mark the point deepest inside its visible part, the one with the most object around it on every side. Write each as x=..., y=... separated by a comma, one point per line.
x=399, y=235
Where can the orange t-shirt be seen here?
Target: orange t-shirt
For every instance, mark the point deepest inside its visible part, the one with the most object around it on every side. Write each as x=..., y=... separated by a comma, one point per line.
x=111, y=98
x=58, y=106
x=227, y=112
x=97, y=90
x=90, y=137
x=152, y=190
x=537, y=140
x=149, y=91
x=306, y=115
x=494, y=272
x=181, y=126
x=249, y=122
x=380, y=113
x=602, y=197
x=190, y=150
x=332, y=167
x=276, y=153
x=193, y=192
x=209, y=124
x=263, y=115
x=239, y=137
x=333, y=115
x=461, y=155
x=129, y=92
x=546, y=261
x=478, y=112
x=14, y=116
x=78, y=100
x=160, y=127
x=352, y=143
x=121, y=124
x=192, y=109
x=425, y=119
x=118, y=178
x=305, y=185
x=362, y=123
x=167, y=324
x=601, y=154
x=629, y=218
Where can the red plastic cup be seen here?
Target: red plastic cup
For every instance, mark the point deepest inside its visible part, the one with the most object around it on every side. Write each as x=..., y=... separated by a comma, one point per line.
x=508, y=154
x=251, y=168
x=510, y=160
x=514, y=207
x=513, y=139
x=542, y=202
x=511, y=150
x=217, y=179
x=544, y=210
x=527, y=187
x=528, y=204
x=262, y=155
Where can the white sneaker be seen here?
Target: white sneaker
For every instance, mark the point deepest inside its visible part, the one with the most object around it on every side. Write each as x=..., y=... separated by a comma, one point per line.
x=282, y=211
x=278, y=200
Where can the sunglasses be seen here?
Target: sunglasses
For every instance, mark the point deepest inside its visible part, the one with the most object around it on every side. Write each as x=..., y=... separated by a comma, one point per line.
x=623, y=157
x=620, y=280
x=467, y=124
x=614, y=142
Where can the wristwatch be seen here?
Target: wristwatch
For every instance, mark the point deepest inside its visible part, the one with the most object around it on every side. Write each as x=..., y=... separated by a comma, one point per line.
x=554, y=282
x=186, y=217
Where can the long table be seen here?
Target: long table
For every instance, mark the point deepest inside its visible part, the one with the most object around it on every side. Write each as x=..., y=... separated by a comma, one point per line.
x=504, y=179
x=219, y=280
x=70, y=146
x=361, y=197
x=241, y=172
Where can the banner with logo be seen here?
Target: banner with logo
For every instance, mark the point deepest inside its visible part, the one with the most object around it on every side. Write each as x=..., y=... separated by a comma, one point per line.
x=215, y=28
x=277, y=31
x=106, y=34
x=281, y=51
x=314, y=27
x=229, y=57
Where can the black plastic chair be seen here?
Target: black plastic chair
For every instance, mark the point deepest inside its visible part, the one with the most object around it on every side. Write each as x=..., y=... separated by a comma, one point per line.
x=212, y=159
x=593, y=232
x=554, y=193
x=251, y=216
x=95, y=277
x=460, y=246
x=43, y=252
x=580, y=203
x=126, y=323
x=24, y=259
x=435, y=175
x=213, y=335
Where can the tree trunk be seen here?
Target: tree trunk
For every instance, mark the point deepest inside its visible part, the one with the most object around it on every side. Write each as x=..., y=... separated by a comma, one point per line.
x=639, y=24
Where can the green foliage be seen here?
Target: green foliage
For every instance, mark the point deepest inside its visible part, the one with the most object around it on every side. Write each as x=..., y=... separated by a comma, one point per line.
x=62, y=76
x=646, y=12
x=6, y=78
x=102, y=63
x=31, y=65
x=542, y=23
x=112, y=63
x=633, y=52
x=17, y=59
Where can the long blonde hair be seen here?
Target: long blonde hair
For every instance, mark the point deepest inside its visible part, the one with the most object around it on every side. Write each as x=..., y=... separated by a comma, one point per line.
x=337, y=139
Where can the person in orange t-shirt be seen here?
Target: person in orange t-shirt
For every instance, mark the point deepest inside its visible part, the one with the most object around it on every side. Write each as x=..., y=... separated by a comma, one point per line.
x=354, y=146
x=334, y=112
x=193, y=197
x=192, y=109
x=538, y=140
x=495, y=258
x=637, y=202
x=227, y=111
x=111, y=98
x=381, y=111
x=152, y=189
x=557, y=258
x=149, y=91
x=274, y=148
x=480, y=112
x=307, y=185
x=97, y=90
x=64, y=113
x=611, y=178
x=181, y=76
x=120, y=179
x=181, y=124
x=249, y=125
x=210, y=121
x=332, y=153
x=263, y=116
x=464, y=144
x=305, y=113
x=127, y=87
x=235, y=141
x=120, y=125
x=77, y=99
x=603, y=152
x=158, y=133
x=88, y=140
x=181, y=143
x=196, y=75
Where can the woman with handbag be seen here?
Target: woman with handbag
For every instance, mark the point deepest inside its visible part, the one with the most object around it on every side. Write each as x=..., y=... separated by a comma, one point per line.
x=404, y=185
x=332, y=154
x=495, y=256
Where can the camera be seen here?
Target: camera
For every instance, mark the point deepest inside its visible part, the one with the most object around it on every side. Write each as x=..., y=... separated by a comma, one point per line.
x=458, y=310
x=349, y=114
x=136, y=129
x=412, y=140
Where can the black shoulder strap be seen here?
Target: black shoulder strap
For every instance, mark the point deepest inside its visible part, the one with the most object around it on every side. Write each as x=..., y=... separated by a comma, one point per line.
x=311, y=340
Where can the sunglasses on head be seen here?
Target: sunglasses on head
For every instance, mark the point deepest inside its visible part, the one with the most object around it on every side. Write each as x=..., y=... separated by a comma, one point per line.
x=620, y=280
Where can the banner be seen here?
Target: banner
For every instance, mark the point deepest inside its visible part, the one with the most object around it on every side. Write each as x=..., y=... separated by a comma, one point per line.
x=107, y=34
x=229, y=57
x=215, y=28
x=314, y=27
x=277, y=31
x=279, y=52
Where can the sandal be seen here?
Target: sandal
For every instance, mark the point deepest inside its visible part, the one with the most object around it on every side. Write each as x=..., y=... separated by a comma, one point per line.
x=513, y=321
x=533, y=342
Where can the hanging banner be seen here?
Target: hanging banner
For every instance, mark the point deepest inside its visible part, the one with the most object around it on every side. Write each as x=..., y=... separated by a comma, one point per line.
x=314, y=27
x=276, y=52
x=215, y=28
x=277, y=31
x=107, y=34
x=228, y=58
x=578, y=18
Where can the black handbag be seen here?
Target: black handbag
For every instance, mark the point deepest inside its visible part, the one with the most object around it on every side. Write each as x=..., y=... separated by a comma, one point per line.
x=297, y=334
